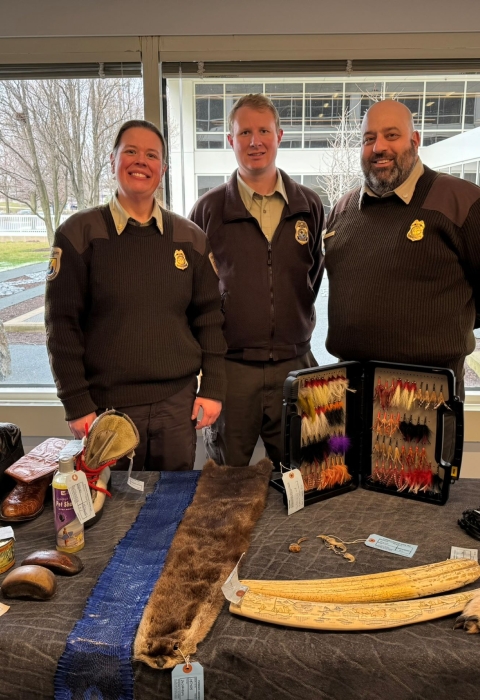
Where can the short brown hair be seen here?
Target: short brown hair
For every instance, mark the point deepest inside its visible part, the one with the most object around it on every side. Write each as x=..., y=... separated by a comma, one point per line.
x=140, y=124
x=255, y=101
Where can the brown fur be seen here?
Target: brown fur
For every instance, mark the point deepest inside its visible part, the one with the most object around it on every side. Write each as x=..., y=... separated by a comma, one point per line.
x=212, y=536
x=470, y=618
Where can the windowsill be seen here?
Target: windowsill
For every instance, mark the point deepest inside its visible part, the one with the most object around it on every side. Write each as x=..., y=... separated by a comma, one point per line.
x=29, y=396
x=42, y=395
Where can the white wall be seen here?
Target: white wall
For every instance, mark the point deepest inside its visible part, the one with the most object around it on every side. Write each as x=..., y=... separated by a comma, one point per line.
x=40, y=18
x=458, y=149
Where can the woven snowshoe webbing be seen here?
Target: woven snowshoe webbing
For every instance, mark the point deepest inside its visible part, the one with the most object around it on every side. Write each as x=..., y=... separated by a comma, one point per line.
x=96, y=662
x=212, y=536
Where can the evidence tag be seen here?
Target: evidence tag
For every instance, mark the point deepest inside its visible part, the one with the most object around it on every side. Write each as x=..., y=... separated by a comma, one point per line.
x=187, y=681
x=232, y=589
x=392, y=546
x=80, y=495
x=464, y=553
x=134, y=483
x=295, y=490
x=3, y=609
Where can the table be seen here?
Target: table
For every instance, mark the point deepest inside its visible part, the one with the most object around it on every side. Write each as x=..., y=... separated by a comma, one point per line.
x=254, y=661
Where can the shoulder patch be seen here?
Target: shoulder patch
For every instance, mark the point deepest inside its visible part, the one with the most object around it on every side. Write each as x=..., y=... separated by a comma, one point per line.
x=54, y=263
x=452, y=197
x=185, y=231
x=83, y=227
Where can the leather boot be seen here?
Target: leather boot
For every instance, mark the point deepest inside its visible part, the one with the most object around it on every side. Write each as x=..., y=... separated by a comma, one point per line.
x=26, y=501
x=112, y=435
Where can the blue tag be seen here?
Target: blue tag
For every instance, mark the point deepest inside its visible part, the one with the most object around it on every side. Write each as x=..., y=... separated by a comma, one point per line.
x=187, y=682
x=392, y=546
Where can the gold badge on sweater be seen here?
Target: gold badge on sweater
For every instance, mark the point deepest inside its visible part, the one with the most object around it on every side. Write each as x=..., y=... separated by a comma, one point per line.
x=180, y=260
x=301, y=232
x=415, y=232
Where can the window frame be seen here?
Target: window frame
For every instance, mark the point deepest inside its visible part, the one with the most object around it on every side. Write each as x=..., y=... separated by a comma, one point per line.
x=37, y=409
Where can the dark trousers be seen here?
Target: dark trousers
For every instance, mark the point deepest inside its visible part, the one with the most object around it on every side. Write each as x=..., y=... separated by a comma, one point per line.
x=253, y=408
x=167, y=433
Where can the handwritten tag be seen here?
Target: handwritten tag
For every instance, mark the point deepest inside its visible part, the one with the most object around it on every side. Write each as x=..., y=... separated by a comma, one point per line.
x=392, y=546
x=187, y=682
x=6, y=533
x=3, y=609
x=134, y=483
x=232, y=589
x=464, y=553
x=295, y=490
x=79, y=492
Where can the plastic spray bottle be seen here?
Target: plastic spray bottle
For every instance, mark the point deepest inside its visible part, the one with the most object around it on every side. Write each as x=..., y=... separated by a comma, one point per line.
x=69, y=529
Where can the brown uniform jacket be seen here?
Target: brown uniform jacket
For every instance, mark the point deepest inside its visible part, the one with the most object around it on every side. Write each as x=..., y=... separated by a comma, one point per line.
x=268, y=288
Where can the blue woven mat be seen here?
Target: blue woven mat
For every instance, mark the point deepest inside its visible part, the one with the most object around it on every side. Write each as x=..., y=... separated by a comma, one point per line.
x=96, y=663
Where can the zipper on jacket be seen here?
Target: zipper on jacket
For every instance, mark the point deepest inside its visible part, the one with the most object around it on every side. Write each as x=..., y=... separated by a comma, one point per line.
x=272, y=310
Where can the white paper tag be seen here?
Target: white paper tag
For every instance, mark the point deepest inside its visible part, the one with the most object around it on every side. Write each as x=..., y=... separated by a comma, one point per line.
x=79, y=492
x=71, y=449
x=6, y=533
x=387, y=545
x=294, y=489
x=3, y=609
x=464, y=553
x=232, y=589
x=134, y=483
x=187, y=682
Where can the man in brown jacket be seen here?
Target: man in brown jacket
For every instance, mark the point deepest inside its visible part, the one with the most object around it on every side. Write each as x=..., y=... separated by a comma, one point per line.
x=265, y=233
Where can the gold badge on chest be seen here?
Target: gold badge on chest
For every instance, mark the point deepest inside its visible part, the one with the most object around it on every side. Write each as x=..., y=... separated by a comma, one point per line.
x=416, y=230
x=301, y=232
x=180, y=260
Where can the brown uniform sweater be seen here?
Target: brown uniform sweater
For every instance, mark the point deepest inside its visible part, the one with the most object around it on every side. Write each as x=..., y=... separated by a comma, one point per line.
x=126, y=325
x=402, y=300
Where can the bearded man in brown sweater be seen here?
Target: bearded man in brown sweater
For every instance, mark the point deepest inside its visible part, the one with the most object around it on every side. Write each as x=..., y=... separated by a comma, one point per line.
x=402, y=254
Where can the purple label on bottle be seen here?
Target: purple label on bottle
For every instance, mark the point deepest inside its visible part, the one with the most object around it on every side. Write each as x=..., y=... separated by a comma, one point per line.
x=67, y=526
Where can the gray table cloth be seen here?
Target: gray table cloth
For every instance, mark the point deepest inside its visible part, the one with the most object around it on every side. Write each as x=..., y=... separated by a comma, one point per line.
x=254, y=661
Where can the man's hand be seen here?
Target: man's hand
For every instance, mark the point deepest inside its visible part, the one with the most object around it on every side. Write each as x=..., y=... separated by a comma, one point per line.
x=211, y=411
x=78, y=426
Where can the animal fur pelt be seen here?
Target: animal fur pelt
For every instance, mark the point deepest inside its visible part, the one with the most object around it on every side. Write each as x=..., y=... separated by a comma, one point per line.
x=212, y=536
x=470, y=618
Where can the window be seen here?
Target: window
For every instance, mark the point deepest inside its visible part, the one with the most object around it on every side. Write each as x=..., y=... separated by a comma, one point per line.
x=472, y=105
x=209, y=111
x=409, y=94
x=54, y=160
x=205, y=183
x=312, y=111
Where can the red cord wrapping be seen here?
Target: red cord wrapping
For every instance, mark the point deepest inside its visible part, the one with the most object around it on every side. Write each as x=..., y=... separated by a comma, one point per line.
x=93, y=474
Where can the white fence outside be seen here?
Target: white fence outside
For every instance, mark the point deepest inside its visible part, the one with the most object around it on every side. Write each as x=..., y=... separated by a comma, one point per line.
x=23, y=225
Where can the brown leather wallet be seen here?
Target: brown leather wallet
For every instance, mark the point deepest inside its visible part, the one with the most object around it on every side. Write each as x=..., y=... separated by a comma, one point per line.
x=40, y=461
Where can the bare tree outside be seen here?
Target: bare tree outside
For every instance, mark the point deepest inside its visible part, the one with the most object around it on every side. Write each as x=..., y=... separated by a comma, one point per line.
x=344, y=171
x=55, y=141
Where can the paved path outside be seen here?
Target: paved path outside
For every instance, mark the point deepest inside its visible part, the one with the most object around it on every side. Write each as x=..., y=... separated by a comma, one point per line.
x=23, y=270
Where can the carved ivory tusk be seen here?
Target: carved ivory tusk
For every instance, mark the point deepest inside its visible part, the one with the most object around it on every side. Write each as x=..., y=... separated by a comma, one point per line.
x=403, y=584
x=324, y=616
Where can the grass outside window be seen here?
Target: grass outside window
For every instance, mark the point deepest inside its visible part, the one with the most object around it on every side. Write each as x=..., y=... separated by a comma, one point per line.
x=16, y=253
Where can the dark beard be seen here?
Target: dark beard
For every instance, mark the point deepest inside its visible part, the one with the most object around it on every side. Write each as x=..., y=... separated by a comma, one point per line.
x=403, y=166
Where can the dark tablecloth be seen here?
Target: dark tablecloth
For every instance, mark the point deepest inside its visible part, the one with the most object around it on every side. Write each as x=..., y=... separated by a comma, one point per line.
x=252, y=661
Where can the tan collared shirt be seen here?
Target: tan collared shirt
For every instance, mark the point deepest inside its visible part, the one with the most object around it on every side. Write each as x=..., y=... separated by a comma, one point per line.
x=404, y=191
x=121, y=217
x=267, y=209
